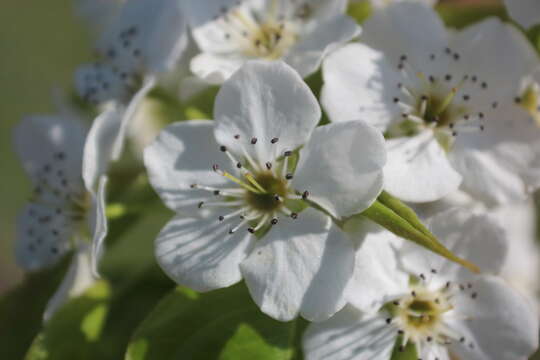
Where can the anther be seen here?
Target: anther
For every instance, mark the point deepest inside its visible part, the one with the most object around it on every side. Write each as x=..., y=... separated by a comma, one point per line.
x=289, y=176
x=433, y=271
x=413, y=293
x=253, y=141
x=274, y=140
x=223, y=148
x=237, y=136
x=268, y=165
x=200, y=205
x=474, y=295
x=216, y=192
x=221, y=217
x=287, y=153
x=305, y=195
x=466, y=97
x=389, y=321
x=274, y=221
x=251, y=230
x=215, y=167
x=294, y=215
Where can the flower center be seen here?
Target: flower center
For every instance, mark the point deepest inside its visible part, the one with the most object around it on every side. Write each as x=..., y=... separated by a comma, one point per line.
x=443, y=100
x=260, y=191
x=421, y=316
x=267, y=35
x=275, y=189
x=530, y=101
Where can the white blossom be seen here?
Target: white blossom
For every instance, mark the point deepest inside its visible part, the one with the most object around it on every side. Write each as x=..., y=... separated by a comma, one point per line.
x=300, y=33
x=62, y=214
x=446, y=102
x=240, y=186
x=442, y=309
x=142, y=44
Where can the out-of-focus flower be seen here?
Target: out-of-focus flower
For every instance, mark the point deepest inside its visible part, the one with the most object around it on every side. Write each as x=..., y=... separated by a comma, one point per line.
x=443, y=310
x=63, y=214
x=525, y=12
x=254, y=221
x=300, y=33
x=143, y=43
x=445, y=101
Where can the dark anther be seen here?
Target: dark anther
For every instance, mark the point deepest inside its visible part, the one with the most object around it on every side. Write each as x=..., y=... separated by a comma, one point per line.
x=274, y=221
x=200, y=204
x=221, y=218
x=396, y=100
x=305, y=195
x=253, y=141
x=517, y=100
x=287, y=153
x=238, y=165
x=237, y=136
x=215, y=167
x=274, y=140
x=289, y=176
x=484, y=85
x=294, y=215
x=388, y=321
x=223, y=148
x=193, y=186
x=403, y=58
x=474, y=295
x=251, y=230
x=268, y=165
x=466, y=97
x=448, y=77
x=216, y=192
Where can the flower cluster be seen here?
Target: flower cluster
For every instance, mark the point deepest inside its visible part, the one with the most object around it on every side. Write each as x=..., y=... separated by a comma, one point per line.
x=318, y=213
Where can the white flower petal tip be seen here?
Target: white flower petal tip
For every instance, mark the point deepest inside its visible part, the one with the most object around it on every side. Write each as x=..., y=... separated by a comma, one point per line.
x=231, y=33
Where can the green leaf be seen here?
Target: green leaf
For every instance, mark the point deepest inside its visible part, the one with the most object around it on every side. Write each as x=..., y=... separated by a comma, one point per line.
x=21, y=310
x=408, y=353
x=460, y=15
x=392, y=221
x=224, y=324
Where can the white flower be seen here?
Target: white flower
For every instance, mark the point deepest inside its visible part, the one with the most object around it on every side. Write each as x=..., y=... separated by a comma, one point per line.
x=299, y=32
x=445, y=101
x=518, y=220
x=144, y=41
x=525, y=12
x=379, y=4
x=62, y=214
x=442, y=309
x=240, y=195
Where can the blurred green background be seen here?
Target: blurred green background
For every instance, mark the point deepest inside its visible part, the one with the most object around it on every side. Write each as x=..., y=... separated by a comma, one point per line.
x=41, y=43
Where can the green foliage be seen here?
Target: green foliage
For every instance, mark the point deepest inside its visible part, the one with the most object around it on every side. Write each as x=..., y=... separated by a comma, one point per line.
x=224, y=324
x=396, y=217
x=408, y=353
x=21, y=310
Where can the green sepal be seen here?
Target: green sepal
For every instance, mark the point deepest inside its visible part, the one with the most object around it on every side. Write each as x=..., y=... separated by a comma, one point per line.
x=391, y=220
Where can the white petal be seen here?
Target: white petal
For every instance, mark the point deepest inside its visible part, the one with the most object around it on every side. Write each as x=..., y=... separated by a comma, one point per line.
x=307, y=55
x=486, y=177
x=160, y=34
x=477, y=238
x=182, y=155
x=406, y=28
x=500, y=323
x=357, y=79
x=525, y=12
x=129, y=114
x=77, y=279
x=483, y=43
x=341, y=167
x=349, y=336
x=98, y=146
x=300, y=266
x=377, y=277
x=265, y=100
x=39, y=140
x=200, y=253
x=418, y=169
x=43, y=236
x=215, y=68
x=98, y=224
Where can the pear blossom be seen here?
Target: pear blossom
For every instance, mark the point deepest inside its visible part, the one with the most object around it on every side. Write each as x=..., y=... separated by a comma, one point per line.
x=444, y=100
x=256, y=190
x=143, y=43
x=525, y=12
x=518, y=220
x=444, y=311
x=62, y=214
x=300, y=33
